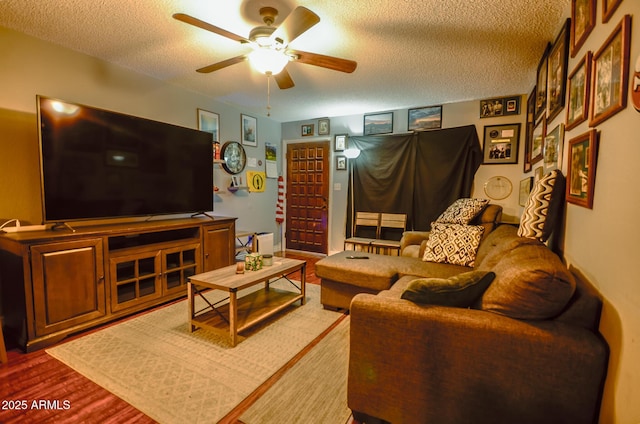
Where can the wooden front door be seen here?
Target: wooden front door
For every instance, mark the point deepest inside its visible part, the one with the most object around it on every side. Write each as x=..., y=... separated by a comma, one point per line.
x=307, y=196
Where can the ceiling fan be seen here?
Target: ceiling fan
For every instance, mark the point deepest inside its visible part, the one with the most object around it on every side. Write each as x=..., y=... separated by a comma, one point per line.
x=271, y=53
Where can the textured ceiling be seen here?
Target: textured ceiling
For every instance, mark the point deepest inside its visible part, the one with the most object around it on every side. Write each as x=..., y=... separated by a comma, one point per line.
x=410, y=53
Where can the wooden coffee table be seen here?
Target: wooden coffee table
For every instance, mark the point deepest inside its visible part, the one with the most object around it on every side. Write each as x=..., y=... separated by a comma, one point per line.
x=240, y=313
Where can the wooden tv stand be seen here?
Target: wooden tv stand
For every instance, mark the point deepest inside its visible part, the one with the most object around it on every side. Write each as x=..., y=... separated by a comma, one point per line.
x=56, y=283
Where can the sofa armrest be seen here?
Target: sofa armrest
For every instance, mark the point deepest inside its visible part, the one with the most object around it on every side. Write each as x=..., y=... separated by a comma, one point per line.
x=426, y=363
x=412, y=238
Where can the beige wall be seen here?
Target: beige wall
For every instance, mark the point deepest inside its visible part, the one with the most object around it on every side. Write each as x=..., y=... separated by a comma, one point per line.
x=29, y=67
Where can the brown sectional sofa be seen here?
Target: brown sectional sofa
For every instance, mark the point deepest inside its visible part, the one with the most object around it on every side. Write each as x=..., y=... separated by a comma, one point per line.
x=527, y=351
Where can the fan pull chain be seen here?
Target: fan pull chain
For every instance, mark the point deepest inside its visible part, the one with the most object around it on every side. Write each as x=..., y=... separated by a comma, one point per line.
x=269, y=94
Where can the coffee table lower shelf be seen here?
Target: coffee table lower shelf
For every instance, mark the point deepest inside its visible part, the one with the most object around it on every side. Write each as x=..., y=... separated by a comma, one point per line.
x=251, y=310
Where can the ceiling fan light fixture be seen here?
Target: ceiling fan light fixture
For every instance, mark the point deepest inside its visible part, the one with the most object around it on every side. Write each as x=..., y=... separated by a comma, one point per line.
x=268, y=61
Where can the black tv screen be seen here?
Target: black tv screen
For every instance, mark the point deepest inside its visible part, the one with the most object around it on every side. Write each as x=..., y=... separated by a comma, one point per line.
x=99, y=164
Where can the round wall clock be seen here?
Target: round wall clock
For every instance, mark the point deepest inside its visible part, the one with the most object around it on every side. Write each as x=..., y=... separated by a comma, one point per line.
x=498, y=188
x=234, y=157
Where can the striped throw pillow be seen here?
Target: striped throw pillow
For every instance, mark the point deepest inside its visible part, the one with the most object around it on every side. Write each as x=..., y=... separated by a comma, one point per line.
x=543, y=207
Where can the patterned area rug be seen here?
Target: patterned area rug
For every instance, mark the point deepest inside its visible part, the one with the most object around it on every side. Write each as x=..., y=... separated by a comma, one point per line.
x=314, y=390
x=173, y=376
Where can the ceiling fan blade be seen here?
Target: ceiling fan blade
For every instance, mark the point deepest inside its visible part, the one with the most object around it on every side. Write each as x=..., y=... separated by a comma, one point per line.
x=223, y=64
x=283, y=79
x=298, y=21
x=207, y=26
x=329, y=62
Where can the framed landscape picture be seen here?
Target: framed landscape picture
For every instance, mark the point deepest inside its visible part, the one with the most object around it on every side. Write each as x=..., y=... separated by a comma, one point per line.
x=501, y=143
x=249, y=130
x=610, y=75
x=378, y=123
x=581, y=169
x=557, y=72
x=583, y=20
x=209, y=122
x=425, y=118
x=579, y=84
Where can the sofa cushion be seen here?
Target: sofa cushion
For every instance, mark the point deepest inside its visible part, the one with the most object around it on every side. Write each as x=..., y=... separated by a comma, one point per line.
x=531, y=283
x=453, y=243
x=542, y=209
x=376, y=273
x=460, y=291
x=462, y=211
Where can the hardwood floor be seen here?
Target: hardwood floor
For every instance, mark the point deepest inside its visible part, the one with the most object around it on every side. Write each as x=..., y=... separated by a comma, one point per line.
x=36, y=388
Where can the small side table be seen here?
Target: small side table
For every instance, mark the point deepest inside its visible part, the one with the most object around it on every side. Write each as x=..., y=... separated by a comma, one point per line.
x=243, y=245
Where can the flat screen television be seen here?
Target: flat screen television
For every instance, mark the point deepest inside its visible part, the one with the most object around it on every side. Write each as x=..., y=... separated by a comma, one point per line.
x=99, y=164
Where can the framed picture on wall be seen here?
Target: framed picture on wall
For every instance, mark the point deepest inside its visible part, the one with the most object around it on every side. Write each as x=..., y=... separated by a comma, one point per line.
x=209, y=122
x=583, y=20
x=557, y=72
x=541, y=83
x=537, y=140
x=307, y=130
x=249, y=130
x=341, y=163
x=608, y=9
x=378, y=123
x=578, y=85
x=553, y=145
x=525, y=189
x=531, y=111
x=610, y=75
x=501, y=143
x=425, y=118
x=340, y=143
x=501, y=106
x=323, y=126
x=581, y=169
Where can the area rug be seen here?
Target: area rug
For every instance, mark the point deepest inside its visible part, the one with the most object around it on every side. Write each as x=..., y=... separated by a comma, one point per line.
x=155, y=364
x=314, y=390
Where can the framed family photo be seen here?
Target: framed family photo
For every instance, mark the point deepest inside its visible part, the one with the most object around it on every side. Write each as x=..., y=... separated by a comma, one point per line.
x=608, y=9
x=583, y=20
x=531, y=120
x=501, y=143
x=537, y=140
x=541, y=83
x=579, y=84
x=557, y=72
x=553, y=145
x=581, y=169
x=611, y=74
x=502, y=106
x=307, y=130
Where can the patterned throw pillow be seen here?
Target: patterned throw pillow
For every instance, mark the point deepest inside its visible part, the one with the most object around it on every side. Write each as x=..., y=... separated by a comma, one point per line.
x=462, y=211
x=453, y=244
x=543, y=207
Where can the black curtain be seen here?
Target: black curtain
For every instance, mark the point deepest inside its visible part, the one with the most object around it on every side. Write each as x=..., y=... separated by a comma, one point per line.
x=418, y=174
